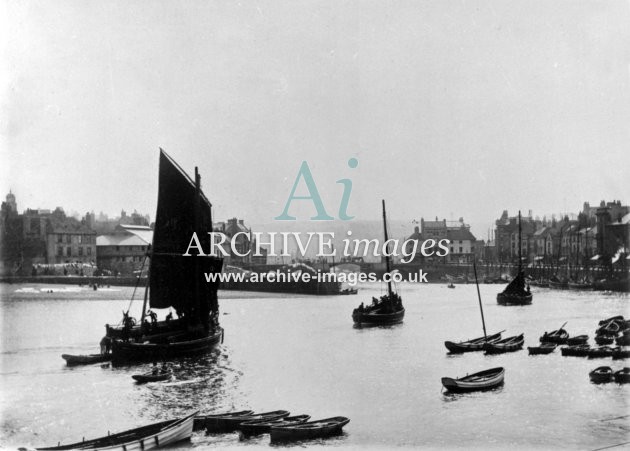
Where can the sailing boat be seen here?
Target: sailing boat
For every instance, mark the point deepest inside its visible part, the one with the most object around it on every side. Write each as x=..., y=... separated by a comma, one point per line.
x=389, y=308
x=175, y=281
x=515, y=293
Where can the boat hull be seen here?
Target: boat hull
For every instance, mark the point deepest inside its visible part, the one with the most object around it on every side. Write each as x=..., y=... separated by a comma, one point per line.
x=201, y=420
x=601, y=375
x=125, y=352
x=250, y=428
x=309, y=430
x=478, y=344
x=231, y=423
x=377, y=318
x=157, y=435
x=510, y=344
x=73, y=360
x=514, y=299
x=544, y=349
x=484, y=380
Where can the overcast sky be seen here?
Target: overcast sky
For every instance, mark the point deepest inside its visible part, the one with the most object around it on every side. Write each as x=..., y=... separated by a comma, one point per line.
x=451, y=108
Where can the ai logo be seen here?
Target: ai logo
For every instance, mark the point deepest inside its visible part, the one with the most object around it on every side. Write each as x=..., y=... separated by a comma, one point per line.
x=305, y=173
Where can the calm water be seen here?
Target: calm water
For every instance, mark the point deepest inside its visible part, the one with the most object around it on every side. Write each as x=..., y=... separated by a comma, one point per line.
x=302, y=354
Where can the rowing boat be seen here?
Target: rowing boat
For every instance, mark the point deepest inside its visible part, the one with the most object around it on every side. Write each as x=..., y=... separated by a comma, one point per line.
x=544, y=348
x=622, y=376
x=230, y=423
x=152, y=436
x=313, y=429
x=601, y=375
x=200, y=420
x=152, y=377
x=85, y=359
x=250, y=428
x=483, y=380
x=509, y=344
x=476, y=344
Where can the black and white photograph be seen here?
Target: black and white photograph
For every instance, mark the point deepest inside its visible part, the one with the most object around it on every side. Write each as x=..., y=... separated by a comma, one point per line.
x=314, y=224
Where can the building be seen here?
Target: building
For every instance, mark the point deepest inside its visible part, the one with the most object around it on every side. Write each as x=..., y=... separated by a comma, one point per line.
x=244, y=243
x=507, y=233
x=463, y=247
x=68, y=240
x=124, y=251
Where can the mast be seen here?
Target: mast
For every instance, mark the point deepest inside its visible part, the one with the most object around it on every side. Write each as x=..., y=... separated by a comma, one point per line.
x=387, y=262
x=483, y=321
x=519, y=242
x=196, y=215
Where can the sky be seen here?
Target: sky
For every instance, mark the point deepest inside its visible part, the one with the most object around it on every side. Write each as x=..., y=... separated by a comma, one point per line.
x=452, y=109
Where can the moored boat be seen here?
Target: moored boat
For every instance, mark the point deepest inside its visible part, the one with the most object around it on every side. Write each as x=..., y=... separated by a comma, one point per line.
x=389, y=308
x=156, y=435
x=577, y=340
x=483, y=380
x=600, y=352
x=309, y=430
x=544, y=348
x=620, y=353
x=200, y=420
x=516, y=293
x=476, y=344
x=250, y=428
x=575, y=351
x=601, y=375
x=85, y=359
x=232, y=423
x=509, y=344
x=622, y=376
x=604, y=339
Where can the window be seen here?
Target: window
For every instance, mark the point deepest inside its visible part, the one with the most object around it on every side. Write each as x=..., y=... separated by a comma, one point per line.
x=117, y=248
x=68, y=240
x=80, y=251
x=60, y=251
x=60, y=238
x=89, y=250
x=69, y=250
x=460, y=249
x=80, y=239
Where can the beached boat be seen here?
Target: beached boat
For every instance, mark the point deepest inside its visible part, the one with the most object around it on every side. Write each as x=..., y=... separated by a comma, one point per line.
x=389, y=308
x=232, y=423
x=476, y=344
x=85, y=359
x=600, y=352
x=544, y=348
x=509, y=344
x=559, y=336
x=200, y=420
x=258, y=427
x=310, y=430
x=174, y=280
x=577, y=340
x=483, y=380
x=620, y=353
x=156, y=435
x=622, y=376
x=601, y=375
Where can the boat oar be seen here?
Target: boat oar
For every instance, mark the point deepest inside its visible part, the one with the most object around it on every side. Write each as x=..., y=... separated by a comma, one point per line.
x=565, y=323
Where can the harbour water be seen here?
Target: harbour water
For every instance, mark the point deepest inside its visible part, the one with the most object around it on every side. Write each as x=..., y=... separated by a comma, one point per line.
x=302, y=354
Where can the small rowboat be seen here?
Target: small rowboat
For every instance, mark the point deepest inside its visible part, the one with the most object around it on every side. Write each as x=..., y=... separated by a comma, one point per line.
x=484, y=380
x=604, y=339
x=600, y=352
x=476, y=344
x=313, y=429
x=250, y=428
x=152, y=377
x=622, y=376
x=575, y=351
x=559, y=336
x=232, y=423
x=601, y=375
x=152, y=436
x=577, y=340
x=620, y=353
x=85, y=359
x=544, y=348
x=509, y=344
x=200, y=420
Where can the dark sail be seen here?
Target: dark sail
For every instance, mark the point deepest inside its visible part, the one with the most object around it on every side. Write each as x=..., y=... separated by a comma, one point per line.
x=177, y=281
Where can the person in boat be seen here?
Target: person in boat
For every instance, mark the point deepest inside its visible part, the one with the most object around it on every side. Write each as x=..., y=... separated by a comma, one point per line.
x=146, y=327
x=155, y=370
x=361, y=307
x=165, y=368
x=153, y=317
x=169, y=317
